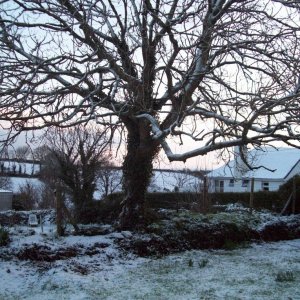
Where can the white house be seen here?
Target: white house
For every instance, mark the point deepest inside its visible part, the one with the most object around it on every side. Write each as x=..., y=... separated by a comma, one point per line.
x=276, y=166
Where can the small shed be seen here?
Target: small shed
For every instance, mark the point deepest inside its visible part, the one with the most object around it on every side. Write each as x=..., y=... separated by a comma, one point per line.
x=5, y=200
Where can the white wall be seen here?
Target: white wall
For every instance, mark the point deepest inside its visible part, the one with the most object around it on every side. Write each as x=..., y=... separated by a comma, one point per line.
x=238, y=185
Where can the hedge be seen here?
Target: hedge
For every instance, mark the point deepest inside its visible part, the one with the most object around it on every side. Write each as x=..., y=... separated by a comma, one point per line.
x=261, y=200
x=107, y=210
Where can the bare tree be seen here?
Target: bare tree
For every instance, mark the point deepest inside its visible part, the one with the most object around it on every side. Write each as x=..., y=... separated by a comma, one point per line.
x=40, y=154
x=109, y=179
x=5, y=183
x=28, y=195
x=22, y=152
x=220, y=73
x=47, y=197
x=75, y=156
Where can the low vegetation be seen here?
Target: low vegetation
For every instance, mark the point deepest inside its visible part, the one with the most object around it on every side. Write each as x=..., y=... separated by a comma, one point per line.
x=4, y=237
x=285, y=276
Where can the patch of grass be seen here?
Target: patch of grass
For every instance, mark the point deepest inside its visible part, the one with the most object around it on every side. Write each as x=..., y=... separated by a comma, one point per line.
x=4, y=237
x=230, y=245
x=190, y=263
x=208, y=294
x=233, y=245
x=203, y=263
x=285, y=276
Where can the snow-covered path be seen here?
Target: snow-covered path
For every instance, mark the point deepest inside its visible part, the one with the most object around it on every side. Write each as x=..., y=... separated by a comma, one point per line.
x=260, y=271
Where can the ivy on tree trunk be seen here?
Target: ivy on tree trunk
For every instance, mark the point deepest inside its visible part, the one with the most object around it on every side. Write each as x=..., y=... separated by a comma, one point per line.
x=137, y=173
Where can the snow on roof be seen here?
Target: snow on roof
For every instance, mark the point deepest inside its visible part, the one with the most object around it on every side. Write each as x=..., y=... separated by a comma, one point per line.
x=5, y=191
x=280, y=161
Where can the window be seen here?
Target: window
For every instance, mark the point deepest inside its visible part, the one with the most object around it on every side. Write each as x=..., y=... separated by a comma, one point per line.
x=231, y=182
x=245, y=182
x=265, y=186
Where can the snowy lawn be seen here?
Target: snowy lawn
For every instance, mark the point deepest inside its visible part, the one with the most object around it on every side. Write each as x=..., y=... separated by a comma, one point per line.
x=259, y=271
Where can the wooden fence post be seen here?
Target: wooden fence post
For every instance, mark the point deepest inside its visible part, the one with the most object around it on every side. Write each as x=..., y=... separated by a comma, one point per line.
x=251, y=195
x=294, y=195
x=59, y=215
x=41, y=223
x=206, y=207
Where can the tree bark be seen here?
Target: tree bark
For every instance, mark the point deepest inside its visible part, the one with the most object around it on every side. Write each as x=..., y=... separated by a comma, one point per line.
x=137, y=173
x=59, y=215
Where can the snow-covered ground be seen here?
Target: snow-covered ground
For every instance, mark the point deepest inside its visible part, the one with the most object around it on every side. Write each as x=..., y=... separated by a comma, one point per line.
x=259, y=271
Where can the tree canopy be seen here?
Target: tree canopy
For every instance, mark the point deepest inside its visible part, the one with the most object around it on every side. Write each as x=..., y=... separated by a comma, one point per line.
x=176, y=65
x=221, y=73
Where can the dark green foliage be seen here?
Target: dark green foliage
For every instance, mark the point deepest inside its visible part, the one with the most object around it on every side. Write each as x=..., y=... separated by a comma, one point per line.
x=172, y=200
x=285, y=276
x=286, y=189
x=203, y=263
x=4, y=237
x=230, y=245
x=27, y=198
x=108, y=210
x=261, y=200
x=286, y=192
x=162, y=200
x=18, y=203
x=137, y=172
x=105, y=211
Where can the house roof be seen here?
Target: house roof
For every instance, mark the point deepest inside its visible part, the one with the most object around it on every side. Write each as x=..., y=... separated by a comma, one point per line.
x=281, y=161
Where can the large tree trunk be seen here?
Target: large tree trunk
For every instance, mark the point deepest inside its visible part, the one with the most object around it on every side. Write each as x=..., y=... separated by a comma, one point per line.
x=137, y=172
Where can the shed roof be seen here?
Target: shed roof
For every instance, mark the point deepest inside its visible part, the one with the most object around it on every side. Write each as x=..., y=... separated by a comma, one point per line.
x=281, y=161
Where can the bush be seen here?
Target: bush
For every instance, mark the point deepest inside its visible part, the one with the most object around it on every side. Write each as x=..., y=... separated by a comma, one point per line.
x=169, y=200
x=286, y=190
x=261, y=200
x=285, y=276
x=202, y=263
x=103, y=211
x=4, y=237
x=27, y=198
x=17, y=203
x=108, y=209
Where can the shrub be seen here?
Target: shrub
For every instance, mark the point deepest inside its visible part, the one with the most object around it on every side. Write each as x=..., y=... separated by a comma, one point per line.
x=203, y=263
x=286, y=190
x=27, y=198
x=261, y=200
x=47, y=199
x=285, y=276
x=109, y=208
x=103, y=211
x=4, y=237
x=17, y=203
